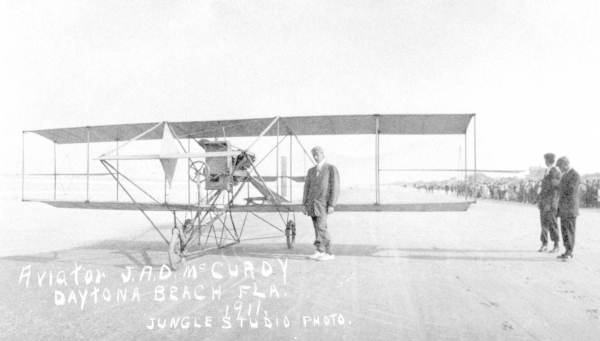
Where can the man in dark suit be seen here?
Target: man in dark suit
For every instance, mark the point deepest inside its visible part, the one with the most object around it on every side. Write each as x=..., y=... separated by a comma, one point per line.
x=548, y=204
x=321, y=191
x=568, y=205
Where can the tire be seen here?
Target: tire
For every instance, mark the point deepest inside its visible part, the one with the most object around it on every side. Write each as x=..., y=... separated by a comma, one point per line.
x=175, y=257
x=290, y=233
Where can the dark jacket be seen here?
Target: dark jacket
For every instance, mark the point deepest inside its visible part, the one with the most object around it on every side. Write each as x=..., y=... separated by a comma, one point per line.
x=568, y=202
x=548, y=199
x=321, y=191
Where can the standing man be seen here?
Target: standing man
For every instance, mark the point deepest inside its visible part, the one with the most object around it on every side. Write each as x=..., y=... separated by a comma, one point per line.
x=548, y=204
x=321, y=191
x=568, y=205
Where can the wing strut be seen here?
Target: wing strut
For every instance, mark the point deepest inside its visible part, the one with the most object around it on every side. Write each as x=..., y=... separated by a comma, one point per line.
x=276, y=119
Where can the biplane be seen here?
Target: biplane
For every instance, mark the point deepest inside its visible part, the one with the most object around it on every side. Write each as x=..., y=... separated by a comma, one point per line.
x=226, y=178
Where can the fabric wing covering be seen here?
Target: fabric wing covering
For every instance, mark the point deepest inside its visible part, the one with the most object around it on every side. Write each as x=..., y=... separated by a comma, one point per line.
x=402, y=124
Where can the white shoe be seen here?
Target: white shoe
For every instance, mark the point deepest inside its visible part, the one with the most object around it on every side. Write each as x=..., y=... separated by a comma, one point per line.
x=316, y=255
x=327, y=256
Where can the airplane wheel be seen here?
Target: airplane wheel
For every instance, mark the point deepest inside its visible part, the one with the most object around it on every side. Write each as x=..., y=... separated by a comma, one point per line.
x=290, y=233
x=175, y=255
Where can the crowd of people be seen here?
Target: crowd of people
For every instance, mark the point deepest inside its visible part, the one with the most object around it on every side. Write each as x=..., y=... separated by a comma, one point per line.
x=558, y=195
x=512, y=189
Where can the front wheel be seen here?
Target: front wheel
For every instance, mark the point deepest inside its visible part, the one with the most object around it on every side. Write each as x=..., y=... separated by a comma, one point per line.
x=175, y=253
x=290, y=233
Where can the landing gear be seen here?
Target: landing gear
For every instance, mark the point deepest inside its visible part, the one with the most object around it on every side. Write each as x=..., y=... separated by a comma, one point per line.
x=180, y=237
x=290, y=233
x=175, y=251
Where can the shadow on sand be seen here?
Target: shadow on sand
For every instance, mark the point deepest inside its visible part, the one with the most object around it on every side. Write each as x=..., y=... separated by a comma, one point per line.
x=122, y=253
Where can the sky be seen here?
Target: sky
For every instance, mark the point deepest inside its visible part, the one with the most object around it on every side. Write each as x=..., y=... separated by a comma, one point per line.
x=529, y=69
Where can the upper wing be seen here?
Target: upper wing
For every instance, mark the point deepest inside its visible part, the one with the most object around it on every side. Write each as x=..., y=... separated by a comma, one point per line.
x=410, y=124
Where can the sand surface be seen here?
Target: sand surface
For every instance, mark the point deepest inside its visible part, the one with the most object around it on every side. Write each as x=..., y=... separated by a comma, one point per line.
x=471, y=275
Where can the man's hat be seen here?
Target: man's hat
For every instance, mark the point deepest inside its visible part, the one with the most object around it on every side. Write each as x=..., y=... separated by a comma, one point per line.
x=550, y=157
x=563, y=160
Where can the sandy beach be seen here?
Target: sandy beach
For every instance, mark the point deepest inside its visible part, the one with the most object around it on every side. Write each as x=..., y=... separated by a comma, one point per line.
x=406, y=276
x=170, y=102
